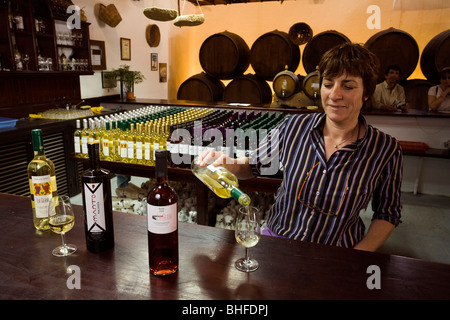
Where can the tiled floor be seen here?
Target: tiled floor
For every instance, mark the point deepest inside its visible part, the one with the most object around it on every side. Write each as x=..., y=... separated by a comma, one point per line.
x=424, y=232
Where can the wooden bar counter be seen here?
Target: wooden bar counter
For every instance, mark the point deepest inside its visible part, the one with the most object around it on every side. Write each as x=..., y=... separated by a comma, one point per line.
x=288, y=269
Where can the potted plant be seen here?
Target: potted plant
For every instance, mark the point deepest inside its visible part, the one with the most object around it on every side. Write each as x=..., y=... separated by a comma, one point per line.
x=127, y=80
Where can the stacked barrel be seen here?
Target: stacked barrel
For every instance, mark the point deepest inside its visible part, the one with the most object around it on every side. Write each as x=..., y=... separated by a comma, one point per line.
x=226, y=56
x=275, y=56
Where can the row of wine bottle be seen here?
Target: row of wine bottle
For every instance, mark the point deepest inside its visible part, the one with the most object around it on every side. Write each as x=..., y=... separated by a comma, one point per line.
x=162, y=205
x=133, y=136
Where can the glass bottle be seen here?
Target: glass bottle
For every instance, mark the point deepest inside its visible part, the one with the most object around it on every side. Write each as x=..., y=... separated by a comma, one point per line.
x=140, y=144
x=18, y=58
x=97, y=203
x=77, y=139
x=84, y=139
x=220, y=181
x=42, y=180
x=131, y=144
x=162, y=217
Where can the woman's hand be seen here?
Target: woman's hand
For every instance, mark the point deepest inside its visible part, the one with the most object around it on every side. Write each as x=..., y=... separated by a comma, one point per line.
x=239, y=167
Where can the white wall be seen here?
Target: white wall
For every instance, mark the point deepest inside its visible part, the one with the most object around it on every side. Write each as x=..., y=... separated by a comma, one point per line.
x=420, y=174
x=132, y=26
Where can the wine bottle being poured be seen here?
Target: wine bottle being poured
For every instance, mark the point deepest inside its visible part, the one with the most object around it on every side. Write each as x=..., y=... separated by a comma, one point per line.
x=221, y=181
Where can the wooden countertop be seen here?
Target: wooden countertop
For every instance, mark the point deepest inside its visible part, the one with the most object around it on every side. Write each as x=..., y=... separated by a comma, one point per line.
x=289, y=269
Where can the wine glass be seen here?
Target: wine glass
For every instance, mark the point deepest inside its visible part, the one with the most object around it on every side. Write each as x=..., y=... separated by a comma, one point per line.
x=247, y=234
x=61, y=220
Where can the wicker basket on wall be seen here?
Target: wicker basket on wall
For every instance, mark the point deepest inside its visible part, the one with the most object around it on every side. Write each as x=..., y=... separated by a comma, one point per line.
x=109, y=15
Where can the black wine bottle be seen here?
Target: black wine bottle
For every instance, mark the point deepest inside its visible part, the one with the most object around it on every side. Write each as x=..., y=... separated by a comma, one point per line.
x=97, y=203
x=162, y=216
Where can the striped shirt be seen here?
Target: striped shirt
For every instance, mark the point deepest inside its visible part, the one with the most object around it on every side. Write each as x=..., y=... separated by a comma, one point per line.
x=370, y=168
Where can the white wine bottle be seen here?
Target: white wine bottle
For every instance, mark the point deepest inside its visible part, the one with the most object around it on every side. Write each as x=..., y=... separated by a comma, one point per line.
x=77, y=139
x=221, y=181
x=42, y=179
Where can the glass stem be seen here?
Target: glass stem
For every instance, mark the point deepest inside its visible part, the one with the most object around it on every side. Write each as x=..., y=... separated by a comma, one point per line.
x=247, y=260
x=63, y=240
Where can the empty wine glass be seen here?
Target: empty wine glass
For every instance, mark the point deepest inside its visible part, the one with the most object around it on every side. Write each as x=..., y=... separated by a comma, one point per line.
x=61, y=220
x=247, y=235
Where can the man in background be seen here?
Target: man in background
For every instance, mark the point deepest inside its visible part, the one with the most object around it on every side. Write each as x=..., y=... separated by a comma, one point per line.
x=389, y=95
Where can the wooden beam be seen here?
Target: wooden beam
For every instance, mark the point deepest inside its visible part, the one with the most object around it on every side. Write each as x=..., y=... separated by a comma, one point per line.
x=225, y=2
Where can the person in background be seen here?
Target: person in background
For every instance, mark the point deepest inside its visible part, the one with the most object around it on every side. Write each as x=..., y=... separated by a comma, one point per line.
x=334, y=163
x=439, y=96
x=389, y=95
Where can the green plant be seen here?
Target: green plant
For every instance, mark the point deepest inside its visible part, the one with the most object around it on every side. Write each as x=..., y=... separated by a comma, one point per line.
x=128, y=77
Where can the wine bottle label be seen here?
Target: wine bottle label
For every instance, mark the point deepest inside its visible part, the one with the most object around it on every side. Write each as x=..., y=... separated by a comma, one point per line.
x=41, y=189
x=84, y=141
x=147, y=151
x=138, y=150
x=162, y=219
x=174, y=148
x=106, y=147
x=184, y=148
x=76, y=144
x=130, y=149
x=169, y=146
x=95, y=209
x=123, y=149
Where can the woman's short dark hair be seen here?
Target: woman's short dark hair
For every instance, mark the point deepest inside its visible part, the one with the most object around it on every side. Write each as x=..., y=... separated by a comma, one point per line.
x=353, y=59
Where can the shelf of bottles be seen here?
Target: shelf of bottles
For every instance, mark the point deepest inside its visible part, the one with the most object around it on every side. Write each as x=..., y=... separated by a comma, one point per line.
x=35, y=38
x=133, y=136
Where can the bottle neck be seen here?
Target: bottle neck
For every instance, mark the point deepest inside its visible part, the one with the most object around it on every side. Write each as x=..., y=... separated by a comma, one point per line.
x=161, y=168
x=38, y=143
x=94, y=163
x=39, y=153
x=161, y=171
x=94, y=156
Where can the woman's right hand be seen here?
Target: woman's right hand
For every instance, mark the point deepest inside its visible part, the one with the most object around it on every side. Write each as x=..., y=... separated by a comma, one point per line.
x=240, y=166
x=216, y=158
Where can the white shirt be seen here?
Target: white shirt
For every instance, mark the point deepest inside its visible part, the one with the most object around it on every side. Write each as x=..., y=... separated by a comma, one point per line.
x=384, y=95
x=437, y=91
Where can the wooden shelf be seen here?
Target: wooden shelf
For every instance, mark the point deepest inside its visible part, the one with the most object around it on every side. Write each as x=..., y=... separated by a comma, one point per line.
x=204, y=217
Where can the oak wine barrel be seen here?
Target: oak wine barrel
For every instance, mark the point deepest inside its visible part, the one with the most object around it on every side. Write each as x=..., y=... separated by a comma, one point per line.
x=318, y=45
x=271, y=52
x=394, y=47
x=224, y=55
x=416, y=91
x=248, y=88
x=436, y=56
x=311, y=85
x=285, y=84
x=201, y=87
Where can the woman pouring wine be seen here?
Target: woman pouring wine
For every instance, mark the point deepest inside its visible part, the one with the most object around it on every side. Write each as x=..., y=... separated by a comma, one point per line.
x=333, y=162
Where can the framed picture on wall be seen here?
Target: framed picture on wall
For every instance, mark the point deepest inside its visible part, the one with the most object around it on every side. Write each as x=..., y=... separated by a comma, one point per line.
x=163, y=72
x=125, y=49
x=154, y=61
x=98, y=57
x=108, y=79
